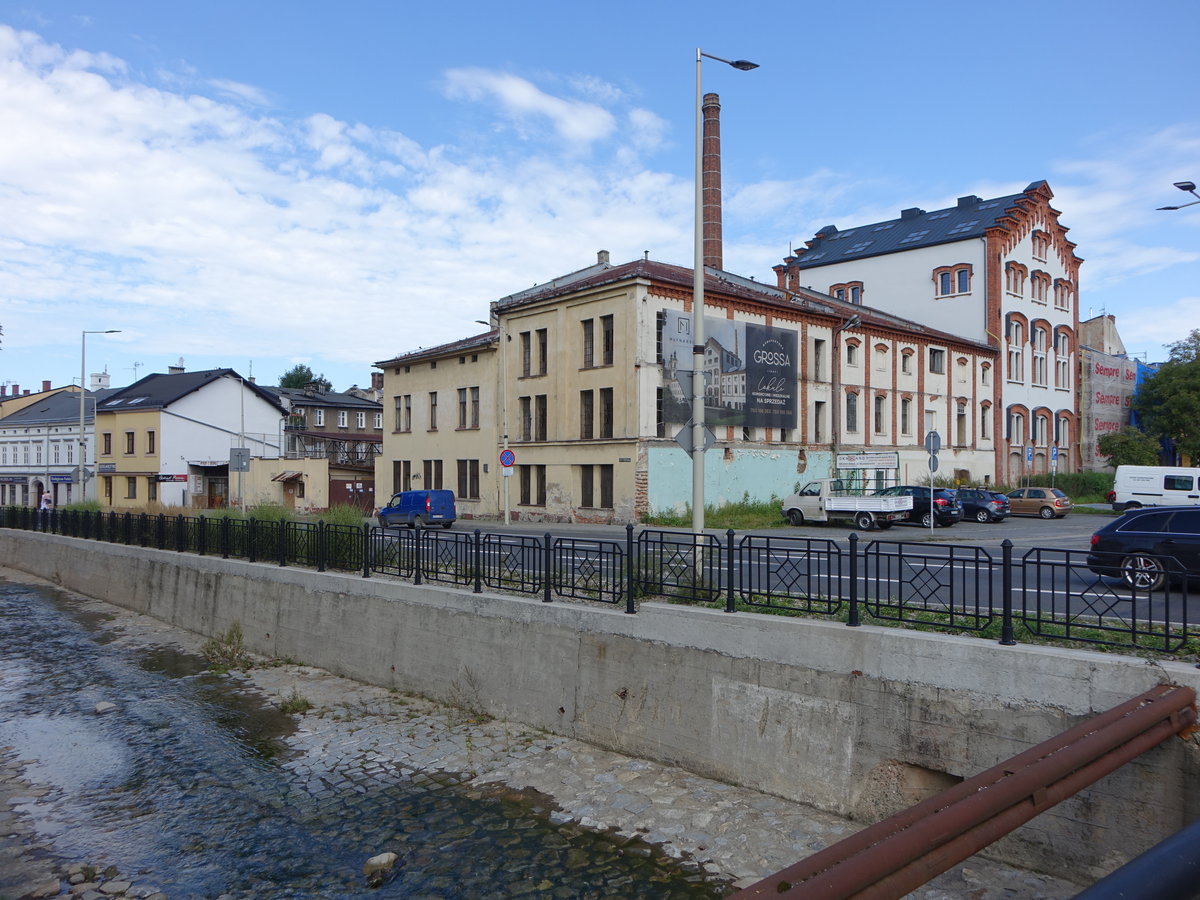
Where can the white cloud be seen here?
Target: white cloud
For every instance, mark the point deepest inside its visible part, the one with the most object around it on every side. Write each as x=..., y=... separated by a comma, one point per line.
x=575, y=121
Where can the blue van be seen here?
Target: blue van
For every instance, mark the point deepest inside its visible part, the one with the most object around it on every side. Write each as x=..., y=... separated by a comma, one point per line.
x=423, y=508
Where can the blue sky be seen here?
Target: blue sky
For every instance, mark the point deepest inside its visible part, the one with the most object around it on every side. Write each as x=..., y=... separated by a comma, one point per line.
x=258, y=184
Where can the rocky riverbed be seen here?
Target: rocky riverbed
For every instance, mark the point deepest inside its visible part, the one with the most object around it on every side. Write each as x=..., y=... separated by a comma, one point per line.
x=352, y=741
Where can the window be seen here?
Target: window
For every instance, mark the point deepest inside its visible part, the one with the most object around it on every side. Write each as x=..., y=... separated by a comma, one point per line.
x=129, y=442
x=1062, y=432
x=852, y=354
x=525, y=406
x=56, y=452
x=985, y=374
x=589, y=341
x=818, y=359
x=379, y=420
x=1041, y=244
x=818, y=421
x=533, y=485
x=937, y=361
x=606, y=486
x=404, y=413
x=474, y=407
x=319, y=417
x=540, y=413
x=906, y=417
x=468, y=479
x=1014, y=278
x=852, y=412
x=985, y=419
x=906, y=362
x=360, y=420
x=526, y=354
x=1063, y=292
x=587, y=414
x=1016, y=429
x=343, y=418
x=856, y=293
x=660, y=424
x=1062, y=361
x=606, y=412
x=131, y=488
x=880, y=417
x=587, y=485
x=960, y=426
x=433, y=474
x=606, y=327
x=953, y=280
x=1041, y=429
x=543, y=353
x=1039, y=356
x=150, y=443
x=463, y=408
x=432, y=413
x=1039, y=283
x=151, y=488
x=1016, y=351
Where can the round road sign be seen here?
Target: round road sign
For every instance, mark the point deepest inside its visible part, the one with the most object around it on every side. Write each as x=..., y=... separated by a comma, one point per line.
x=507, y=458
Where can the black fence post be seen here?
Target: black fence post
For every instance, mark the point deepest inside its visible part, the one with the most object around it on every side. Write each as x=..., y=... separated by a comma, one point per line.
x=201, y=535
x=160, y=529
x=418, y=534
x=629, y=584
x=729, y=571
x=366, y=550
x=322, y=545
x=548, y=567
x=283, y=536
x=225, y=537
x=854, y=620
x=1006, y=629
x=477, y=560
x=252, y=540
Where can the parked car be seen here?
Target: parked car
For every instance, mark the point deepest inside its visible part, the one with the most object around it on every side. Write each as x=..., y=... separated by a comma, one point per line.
x=944, y=509
x=413, y=508
x=1145, y=547
x=1049, y=503
x=983, y=506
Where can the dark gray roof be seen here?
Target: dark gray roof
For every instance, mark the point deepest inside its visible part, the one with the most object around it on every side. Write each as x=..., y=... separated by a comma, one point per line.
x=969, y=218
x=301, y=397
x=60, y=407
x=157, y=391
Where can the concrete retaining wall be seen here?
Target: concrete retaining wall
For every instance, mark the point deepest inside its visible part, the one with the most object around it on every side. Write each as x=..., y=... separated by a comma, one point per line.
x=857, y=721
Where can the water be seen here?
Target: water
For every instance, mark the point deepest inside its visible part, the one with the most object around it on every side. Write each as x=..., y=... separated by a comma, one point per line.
x=188, y=782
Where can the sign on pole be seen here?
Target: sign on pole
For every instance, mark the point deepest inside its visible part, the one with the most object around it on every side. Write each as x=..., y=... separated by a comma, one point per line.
x=507, y=458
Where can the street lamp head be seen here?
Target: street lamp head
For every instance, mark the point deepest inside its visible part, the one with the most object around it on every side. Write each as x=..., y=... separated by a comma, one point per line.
x=1188, y=186
x=744, y=64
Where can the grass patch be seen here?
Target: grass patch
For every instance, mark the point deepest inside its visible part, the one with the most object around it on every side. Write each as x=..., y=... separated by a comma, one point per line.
x=295, y=703
x=745, y=514
x=228, y=651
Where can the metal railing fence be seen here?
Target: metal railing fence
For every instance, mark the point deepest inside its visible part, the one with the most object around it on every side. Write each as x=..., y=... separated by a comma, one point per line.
x=1047, y=593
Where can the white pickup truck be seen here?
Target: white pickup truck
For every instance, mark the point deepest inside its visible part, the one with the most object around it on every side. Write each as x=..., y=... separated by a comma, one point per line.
x=824, y=500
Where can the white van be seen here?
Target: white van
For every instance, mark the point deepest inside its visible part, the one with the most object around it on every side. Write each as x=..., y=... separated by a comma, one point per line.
x=1138, y=486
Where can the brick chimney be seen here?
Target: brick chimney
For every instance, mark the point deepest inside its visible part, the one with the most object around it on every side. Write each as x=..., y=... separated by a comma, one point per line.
x=16, y=389
x=377, y=381
x=710, y=169
x=45, y=385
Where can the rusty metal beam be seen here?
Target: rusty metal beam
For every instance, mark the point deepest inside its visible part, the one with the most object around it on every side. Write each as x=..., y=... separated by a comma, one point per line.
x=889, y=859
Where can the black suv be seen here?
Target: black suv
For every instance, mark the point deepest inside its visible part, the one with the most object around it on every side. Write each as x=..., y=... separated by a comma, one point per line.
x=1145, y=547
x=945, y=509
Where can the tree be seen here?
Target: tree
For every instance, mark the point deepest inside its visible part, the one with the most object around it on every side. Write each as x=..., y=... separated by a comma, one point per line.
x=1129, y=447
x=1169, y=402
x=300, y=375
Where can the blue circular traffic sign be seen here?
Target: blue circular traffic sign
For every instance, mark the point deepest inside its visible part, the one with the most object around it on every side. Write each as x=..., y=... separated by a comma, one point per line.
x=507, y=458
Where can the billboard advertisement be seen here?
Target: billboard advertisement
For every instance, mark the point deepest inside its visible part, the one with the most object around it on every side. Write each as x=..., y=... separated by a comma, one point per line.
x=749, y=372
x=1106, y=392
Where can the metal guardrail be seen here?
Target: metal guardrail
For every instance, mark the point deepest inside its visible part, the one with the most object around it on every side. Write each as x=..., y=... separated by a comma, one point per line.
x=1045, y=593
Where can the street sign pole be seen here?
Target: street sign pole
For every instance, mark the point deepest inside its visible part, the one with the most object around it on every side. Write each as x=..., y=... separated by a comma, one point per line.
x=933, y=443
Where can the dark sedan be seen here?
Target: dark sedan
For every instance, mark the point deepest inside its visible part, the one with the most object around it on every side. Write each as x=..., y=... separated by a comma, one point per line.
x=983, y=506
x=944, y=509
x=1146, y=547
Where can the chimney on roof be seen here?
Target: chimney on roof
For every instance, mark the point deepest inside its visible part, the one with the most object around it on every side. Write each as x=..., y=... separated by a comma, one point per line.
x=45, y=385
x=969, y=200
x=377, y=377
x=602, y=257
x=175, y=370
x=710, y=168
x=16, y=389
x=910, y=213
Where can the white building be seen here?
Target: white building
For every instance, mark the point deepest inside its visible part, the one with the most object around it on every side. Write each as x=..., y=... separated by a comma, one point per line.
x=1000, y=272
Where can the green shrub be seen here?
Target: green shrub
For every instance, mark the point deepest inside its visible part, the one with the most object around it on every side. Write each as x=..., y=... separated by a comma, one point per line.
x=270, y=512
x=343, y=514
x=83, y=506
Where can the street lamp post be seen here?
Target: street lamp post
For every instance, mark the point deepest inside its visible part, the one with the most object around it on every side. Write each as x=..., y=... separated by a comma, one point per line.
x=82, y=396
x=504, y=470
x=836, y=435
x=698, y=425
x=1188, y=187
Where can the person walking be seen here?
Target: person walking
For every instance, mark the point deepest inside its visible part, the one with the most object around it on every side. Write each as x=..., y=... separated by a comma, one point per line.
x=47, y=503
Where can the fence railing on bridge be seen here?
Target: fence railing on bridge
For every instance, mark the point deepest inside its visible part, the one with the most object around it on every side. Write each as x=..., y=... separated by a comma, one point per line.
x=1050, y=594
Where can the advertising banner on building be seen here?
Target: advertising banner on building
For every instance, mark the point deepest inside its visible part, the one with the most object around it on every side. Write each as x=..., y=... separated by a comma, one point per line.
x=749, y=372
x=1106, y=393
